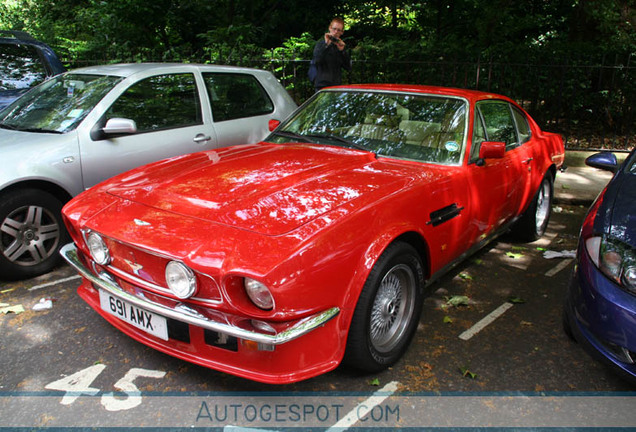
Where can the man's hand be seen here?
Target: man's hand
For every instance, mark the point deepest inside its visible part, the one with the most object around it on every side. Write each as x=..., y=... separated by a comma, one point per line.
x=330, y=39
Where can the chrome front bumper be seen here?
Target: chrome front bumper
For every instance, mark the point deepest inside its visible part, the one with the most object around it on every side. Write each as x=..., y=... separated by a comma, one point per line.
x=231, y=325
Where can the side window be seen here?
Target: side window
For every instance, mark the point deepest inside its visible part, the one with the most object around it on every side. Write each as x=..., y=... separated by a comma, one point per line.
x=523, y=128
x=160, y=102
x=234, y=96
x=499, y=123
x=479, y=136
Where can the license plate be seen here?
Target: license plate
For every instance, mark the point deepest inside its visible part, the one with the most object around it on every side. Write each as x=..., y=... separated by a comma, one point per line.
x=149, y=322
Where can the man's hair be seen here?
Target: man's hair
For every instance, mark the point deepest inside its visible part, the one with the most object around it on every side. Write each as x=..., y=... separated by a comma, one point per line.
x=339, y=20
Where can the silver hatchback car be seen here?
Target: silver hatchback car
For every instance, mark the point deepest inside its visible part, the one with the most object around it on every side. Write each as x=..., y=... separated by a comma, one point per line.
x=86, y=125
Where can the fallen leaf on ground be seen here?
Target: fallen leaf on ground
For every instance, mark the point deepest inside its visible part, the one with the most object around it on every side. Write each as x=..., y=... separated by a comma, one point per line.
x=457, y=301
x=467, y=373
x=17, y=309
x=516, y=300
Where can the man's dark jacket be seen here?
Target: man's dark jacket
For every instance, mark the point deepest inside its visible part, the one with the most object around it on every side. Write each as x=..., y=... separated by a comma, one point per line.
x=329, y=62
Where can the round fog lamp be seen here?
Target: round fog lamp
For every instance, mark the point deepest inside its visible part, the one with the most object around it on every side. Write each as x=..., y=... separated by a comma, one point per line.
x=180, y=279
x=98, y=248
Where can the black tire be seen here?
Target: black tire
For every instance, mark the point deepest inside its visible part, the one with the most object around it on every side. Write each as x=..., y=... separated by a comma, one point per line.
x=388, y=310
x=31, y=233
x=566, y=317
x=534, y=221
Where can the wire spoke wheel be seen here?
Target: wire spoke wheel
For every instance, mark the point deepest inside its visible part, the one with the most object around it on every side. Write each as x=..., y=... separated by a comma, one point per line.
x=543, y=206
x=393, y=308
x=388, y=310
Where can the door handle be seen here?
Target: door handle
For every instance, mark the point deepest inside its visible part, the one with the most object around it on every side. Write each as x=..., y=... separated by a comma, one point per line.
x=200, y=138
x=527, y=161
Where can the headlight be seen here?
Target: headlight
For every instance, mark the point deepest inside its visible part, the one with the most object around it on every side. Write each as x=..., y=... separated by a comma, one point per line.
x=259, y=294
x=615, y=259
x=180, y=279
x=98, y=248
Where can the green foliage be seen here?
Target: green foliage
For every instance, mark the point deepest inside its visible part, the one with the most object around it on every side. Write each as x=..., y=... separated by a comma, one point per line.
x=569, y=62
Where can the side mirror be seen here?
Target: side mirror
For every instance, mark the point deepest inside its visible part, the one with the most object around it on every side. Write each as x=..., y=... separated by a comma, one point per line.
x=492, y=150
x=604, y=160
x=119, y=126
x=273, y=124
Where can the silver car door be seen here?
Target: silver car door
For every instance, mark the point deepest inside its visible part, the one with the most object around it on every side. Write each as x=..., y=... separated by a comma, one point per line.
x=169, y=119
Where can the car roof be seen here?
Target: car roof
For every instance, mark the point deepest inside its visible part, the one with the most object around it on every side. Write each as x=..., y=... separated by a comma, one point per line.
x=128, y=69
x=413, y=88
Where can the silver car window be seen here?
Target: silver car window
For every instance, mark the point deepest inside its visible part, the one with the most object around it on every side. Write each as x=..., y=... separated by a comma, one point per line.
x=160, y=102
x=236, y=96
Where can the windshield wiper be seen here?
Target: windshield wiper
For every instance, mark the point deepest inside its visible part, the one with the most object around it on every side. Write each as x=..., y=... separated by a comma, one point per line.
x=339, y=139
x=6, y=126
x=40, y=130
x=17, y=128
x=294, y=135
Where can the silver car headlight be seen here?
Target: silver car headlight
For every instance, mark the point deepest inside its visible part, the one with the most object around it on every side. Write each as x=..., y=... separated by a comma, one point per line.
x=99, y=250
x=180, y=279
x=259, y=294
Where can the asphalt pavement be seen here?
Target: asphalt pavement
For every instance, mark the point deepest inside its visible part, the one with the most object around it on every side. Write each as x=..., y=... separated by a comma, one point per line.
x=579, y=184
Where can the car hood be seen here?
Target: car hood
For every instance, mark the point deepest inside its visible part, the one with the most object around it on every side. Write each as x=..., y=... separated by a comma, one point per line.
x=265, y=188
x=618, y=209
x=11, y=139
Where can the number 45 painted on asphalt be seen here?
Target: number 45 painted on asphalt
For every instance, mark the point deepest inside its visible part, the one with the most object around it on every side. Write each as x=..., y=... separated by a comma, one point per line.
x=80, y=384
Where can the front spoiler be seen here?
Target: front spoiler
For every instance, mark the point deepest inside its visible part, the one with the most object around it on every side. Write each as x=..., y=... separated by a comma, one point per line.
x=224, y=323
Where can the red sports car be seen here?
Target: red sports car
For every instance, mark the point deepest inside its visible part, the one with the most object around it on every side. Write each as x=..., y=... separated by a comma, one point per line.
x=277, y=261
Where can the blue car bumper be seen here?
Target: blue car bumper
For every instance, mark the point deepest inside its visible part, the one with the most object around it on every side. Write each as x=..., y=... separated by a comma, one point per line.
x=602, y=317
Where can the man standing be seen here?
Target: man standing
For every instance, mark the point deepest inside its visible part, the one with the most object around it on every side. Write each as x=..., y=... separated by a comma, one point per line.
x=330, y=56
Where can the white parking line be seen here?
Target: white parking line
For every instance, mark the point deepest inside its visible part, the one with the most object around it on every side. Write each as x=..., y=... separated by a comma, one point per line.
x=488, y=319
x=355, y=414
x=48, y=284
x=563, y=264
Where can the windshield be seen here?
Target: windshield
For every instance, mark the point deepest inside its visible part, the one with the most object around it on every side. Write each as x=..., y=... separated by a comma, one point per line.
x=426, y=128
x=57, y=105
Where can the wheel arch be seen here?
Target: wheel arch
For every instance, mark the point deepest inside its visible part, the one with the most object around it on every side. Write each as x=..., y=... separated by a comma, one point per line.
x=418, y=242
x=57, y=191
x=372, y=255
x=353, y=342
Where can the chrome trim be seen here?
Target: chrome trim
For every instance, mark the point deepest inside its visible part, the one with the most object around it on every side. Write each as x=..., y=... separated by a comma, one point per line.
x=149, y=285
x=189, y=313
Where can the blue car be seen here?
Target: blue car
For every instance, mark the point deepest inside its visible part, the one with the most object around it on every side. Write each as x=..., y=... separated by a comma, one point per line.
x=600, y=309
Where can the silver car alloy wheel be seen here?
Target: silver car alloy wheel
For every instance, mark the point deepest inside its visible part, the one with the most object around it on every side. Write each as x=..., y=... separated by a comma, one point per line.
x=29, y=235
x=392, y=308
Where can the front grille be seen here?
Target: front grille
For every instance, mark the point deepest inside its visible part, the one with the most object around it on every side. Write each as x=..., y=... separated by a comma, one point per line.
x=220, y=340
x=178, y=330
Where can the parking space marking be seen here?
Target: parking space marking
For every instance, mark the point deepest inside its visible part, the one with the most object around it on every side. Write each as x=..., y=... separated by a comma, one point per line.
x=563, y=264
x=59, y=281
x=484, y=322
x=355, y=414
